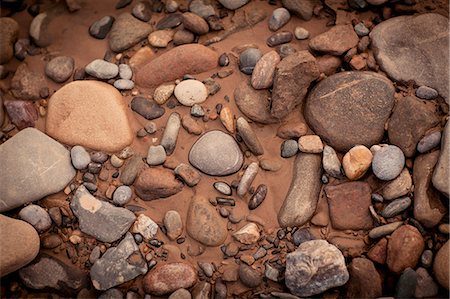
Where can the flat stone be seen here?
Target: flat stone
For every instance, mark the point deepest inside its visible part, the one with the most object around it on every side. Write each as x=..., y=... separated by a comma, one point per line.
x=396, y=207
x=400, y=186
x=336, y=109
x=9, y=31
x=364, y=282
x=336, y=41
x=264, y=71
x=442, y=170
x=190, y=92
x=441, y=265
x=147, y=108
x=302, y=9
x=404, y=248
x=26, y=84
x=60, y=68
x=423, y=61
x=126, y=32
x=22, y=114
x=384, y=230
x=100, y=219
x=102, y=69
x=72, y=115
x=356, y=162
x=388, y=162
x=160, y=38
x=168, y=278
x=155, y=183
x=170, y=21
x=248, y=234
x=100, y=28
x=34, y=166
x=173, y=224
x=118, y=265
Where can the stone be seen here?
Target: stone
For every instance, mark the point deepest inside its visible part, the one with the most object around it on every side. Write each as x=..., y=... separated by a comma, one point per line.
x=111, y=293
x=292, y=130
x=248, y=59
x=293, y=75
x=185, y=59
x=248, y=234
x=35, y=166
x=141, y=57
x=118, y=265
x=130, y=170
x=216, y=153
x=279, y=18
x=328, y=64
x=254, y=104
x=400, y=186
x=442, y=172
x=39, y=30
x=100, y=28
x=356, y=162
x=352, y=198
x=423, y=62
x=310, y=144
x=173, y=224
x=336, y=109
x=122, y=195
x=155, y=183
x=336, y=41
x=429, y=142
x=190, y=92
x=142, y=11
x=315, y=266
x=227, y=118
x=388, y=162
x=361, y=30
x=404, y=248
x=279, y=38
x=426, y=93
x=247, y=179
x=264, y=71
x=410, y=119
x=100, y=219
x=233, y=4
x=406, y=284
x=125, y=71
x=195, y=23
x=271, y=273
x=160, y=38
x=126, y=32
x=301, y=33
x=145, y=226
x=163, y=93
x=40, y=275
x=60, y=68
x=72, y=115
x=36, y=216
x=188, y=174
x=204, y=224
x=441, y=265
x=171, y=6
x=166, y=279
x=289, y=148
x=182, y=37
x=426, y=287
x=428, y=206
x=249, y=276
x=364, y=282
x=191, y=125
x=147, y=108
x=330, y=162
x=21, y=244
x=102, y=69
x=123, y=84
x=170, y=134
x=156, y=155
x=396, y=207
x=26, y=84
x=298, y=207
x=180, y=294
x=9, y=32
x=258, y=197
x=384, y=230
x=170, y=21
x=249, y=136
x=22, y=114
x=302, y=9
x=80, y=157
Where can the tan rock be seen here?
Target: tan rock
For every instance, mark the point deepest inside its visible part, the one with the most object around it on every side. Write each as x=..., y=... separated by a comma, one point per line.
x=227, y=119
x=335, y=41
x=160, y=38
x=400, y=186
x=249, y=234
x=441, y=265
x=163, y=93
x=310, y=144
x=356, y=162
x=141, y=57
x=154, y=183
x=262, y=76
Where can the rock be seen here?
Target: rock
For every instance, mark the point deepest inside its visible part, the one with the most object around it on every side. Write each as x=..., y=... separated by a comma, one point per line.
x=328, y=64
x=188, y=174
x=99, y=29
x=173, y=224
x=315, y=266
x=404, y=248
x=39, y=30
x=364, y=282
x=426, y=259
x=102, y=69
x=155, y=183
x=171, y=6
x=264, y=71
x=60, y=68
x=126, y=32
x=396, y=207
x=168, y=278
x=310, y=144
x=293, y=75
x=175, y=63
x=118, y=265
x=352, y=198
x=36, y=166
x=116, y=161
x=254, y=104
x=122, y=195
x=247, y=179
x=378, y=252
x=40, y=276
x=442, y=172
x=130, y=170
x=72, y=114
x=190, y=92
x=170, y=21
x=160, y=38
x=216, y=153
x=145, y=226
x=279, y=38
x=21, y=244
x=292, y=130
x=388, y=162
x=249, y=136
x=9, y=31
x=271, y=273
x=249, y=276
x=279, y=18
x=141, y=57
x=147, y=108
x=341, y=93
x=204, y=224
x=37, y=217
x=249, y=234
x=361, y=30
x=301, y=33
x=429, y=142
x=410, y=119
x=191, y=125
x=289, y=148
x=426, y=287
x=298, y=207
x=441, y=265
x=123, y=84
x=233, y=4
x=398, y=187
x=170, y=134
x=303, y=9
x=22, y=114
x=142, y=11
x=406, y=284
x=100, y=219
x=111, y=293
x=80, y=157
x=428, y=206
x=330, y=162
x=26, y=84
x=426, y=93
x=125, y=71
x=356, y=162
x=195, y=23
x=384, y=230
x=180, y=294
x=227, y=118
x=335, y=41
x=422, y=62
x=156, y=155
x=257, y=197
x=182, y=37
x=163, y=93
x=248, y=59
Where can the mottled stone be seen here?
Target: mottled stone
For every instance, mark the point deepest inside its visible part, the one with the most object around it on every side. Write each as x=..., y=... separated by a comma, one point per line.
x=364, y=282
x=404, y=248
x=22, y=114
x=441, y=265
x=155, y=183
x=335, y=41
x=27, y=84
x=126, y=32
x=264, y=71
x=168, y=278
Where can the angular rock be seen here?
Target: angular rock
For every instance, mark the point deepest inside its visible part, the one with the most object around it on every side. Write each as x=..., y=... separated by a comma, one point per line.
x=155, y=183
x=398, y=187
x=168, y=278
x=364, y=282
x=126, y=32
x=147, y=108
x=303, y=9
x=26, y=84
x=442, y=170
x=145, y=226
x=9, y=31
x=99, y=29
x=249, y=234
x=23, y=114
x=188, y=174
x=264, y=71
x=163, y=93
x=441, y=265
x=404, y=248
x=335, y=41
x=330, y=162
x=60, y=68
x=328, y=64
x=170, y=21
x=310, y=144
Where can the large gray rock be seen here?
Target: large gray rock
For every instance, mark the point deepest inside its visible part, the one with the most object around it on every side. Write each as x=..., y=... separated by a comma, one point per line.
x=350, y=108
x=315, y=267
x=118, y=265
x=33, y=165
x=442, y=172
x=301, y=200
x=100, y=219
x=126, y=32
x=414, y=48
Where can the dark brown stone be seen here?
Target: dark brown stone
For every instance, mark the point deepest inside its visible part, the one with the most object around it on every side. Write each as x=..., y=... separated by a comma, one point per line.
x=364, y=282
x=404, y=248
x=154, y=183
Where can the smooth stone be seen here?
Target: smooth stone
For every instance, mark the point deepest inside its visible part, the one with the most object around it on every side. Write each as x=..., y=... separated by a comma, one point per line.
x=336, y=109
x=204, y=224
x=163, y=93
x=361, y=30
x=429, y=142
x=20, y=244
x=396, y=207
x=111, y=293
x=249, y=136
x=426, y=93
x=39, y=30
x=118, y=265
x=426, y=287
x=130, y=170
x=254, y=104
x=426, y=259
x=60, y=68
x=292, y=130
x=388, y=162
x=233, y=4
x=126, y=32
x=72, y=114
x=404, y=248
x=173, y=224
x=258, y=197
x=248, y=234
x=427, y=62
x=330, y=162
x=155, y=183
x=264, y=71
x=328, y=64
x=410, y=120
x=125, y=71
x=279, y=18
x=123, y=84
x=80, y=157
x=100, y=28
x=247, y=179
x=310, y=144
x=293, y=75
x=400, y=186
x=142, y=11
x=171, y=6
x=365, y=281
x=175, y=63
x=298, y=207
x=166, y=279
x=195, y=23
x=160, y=38
x=201, y=8
x=279, y=38
x=188, y=174
x=170, y=134
x=249, y=276
x=406, y=284
x=122, y=195
x=216, y=153
x=180, y=294
x=22, y=114
x=147, y=108
x=336, y=41
x=223, y=188
x=384, y=230
x=441, y=265
x=27, y=84
x=182, y=37
x=378, y=252
x=301, y=33
x=145, y=227
x=156, y=155
x=9, y=32
x=248, y=59
x=141, y=57
x=356, y=162
x=303, y=9
x=102, y=69
x=170, y=21
x=35, y=166
x=37, y=217
x=314, y=267
x=289, y=148
x=190, y=92
x=442, y=171
x=100, y=219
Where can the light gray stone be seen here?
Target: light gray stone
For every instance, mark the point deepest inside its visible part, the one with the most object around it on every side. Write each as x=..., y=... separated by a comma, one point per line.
x=156, y=155
x=170, y=135
x=122, y=195
x=442, y=170
x=80, y=157
x=37, y=217
x=388, y=162
x=102, y=69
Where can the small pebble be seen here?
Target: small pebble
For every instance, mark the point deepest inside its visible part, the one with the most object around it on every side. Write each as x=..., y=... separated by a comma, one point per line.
x=361, y=29
x=156, y=155
x=124, y=84
x=36, y=216
x=279, y=38
x=388, y=162
x=301, y=33
x=122, y=195
x=223, y=188
x=224, y=60
x=426, y=93
x=248, y=60
x=396, y=207
x=279, y=18
x=125, y=71
x=289, y=148
x=429, y=142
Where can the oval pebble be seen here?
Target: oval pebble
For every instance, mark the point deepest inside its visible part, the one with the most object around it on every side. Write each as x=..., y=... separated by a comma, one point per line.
x=429, y=142
x=37, y=217
x=223, y=188
x=80, y=157
x=388, y=162
x=248, y=60
x=190, y=92
x=123, y=84
x=301, y=33
x=122, y=195
x=279, y=18
x=396, y=207
x=258, y=197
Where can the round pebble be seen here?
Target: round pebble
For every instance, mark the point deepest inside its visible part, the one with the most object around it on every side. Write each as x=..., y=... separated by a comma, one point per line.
x=80, y=157
x=388, y=162
x=116, y=161
x=190, y=92
x=60, y=68
x=125, y=71
x=248, y=60
x=289, y=148
x=361, y=29
x=37, y=217
x=122, y=195
x=123, y=84
x=301, y=33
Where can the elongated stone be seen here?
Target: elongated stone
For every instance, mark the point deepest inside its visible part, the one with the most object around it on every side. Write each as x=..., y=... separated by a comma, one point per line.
x=170, y=135
x=249, y=136
x=247, y=179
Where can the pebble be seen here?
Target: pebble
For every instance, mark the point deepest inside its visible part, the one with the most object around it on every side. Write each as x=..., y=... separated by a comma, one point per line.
x=426, y=93
x=426, y=259
x=249, y=276
x=247, y=179
x=145, y=226
x=330, y=162
x=122, y=3
x=9, y=32
x=60, y=68
x=160, y=38
x=301, y=33
x=116, y=161
x=168, y=278
x=396, y=207
x=227, y=118
x=124, y=84
x=191, y=125
x=39, y=30
x=249, y=234
x=388, y=162
x=122, y=195
x=442, y=170
x=270, y=165
x=163, y=93
x=26, y=84
x=156, y=155
x=426, y=287
x=170, y=135
x=188, y=174
x=406, y=284
x=170, y=21
x=146, y=108
x=102, y=69
x=190, y=92
x=197, y=110
x=356, y=162
x=37, y=217
x=130, y=170
x=157, y=182
x=126, y=32
x=182, y=37
x=180, y=293
x=262, y=76
x=171, y=6
x=195, y=23
x=80, y=157
x=125, y=71
x=142, y=11
x=223, y=188
x=361, y=30
x=224, y=60
x=429, y=141
x=248, y=60
x=404, y=248
x=279, y=18
x=441, y=265
x=400, y=186
x=310, y=144
x=99, y=29
x=173, y=224
x=301, y=235
x=384, y=230
x=258, y=197
x=289, y=148
x=249, y=136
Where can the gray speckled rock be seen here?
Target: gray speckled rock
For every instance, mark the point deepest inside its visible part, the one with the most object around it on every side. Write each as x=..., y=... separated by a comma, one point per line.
x=289, y=148
x=118, y=265
x=37, y=217
x=426, y=93
x=123, y=84
x=100, y=219
x=279, y=18
x=388, y=162
x=80, y=157
x=102, y=69
x=156, y=155
x=122, y=195
x=60, y=68
x=429, y=141
x=33, y=166
x=442, y=170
